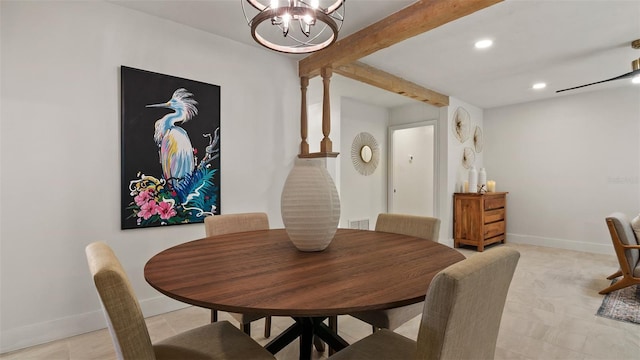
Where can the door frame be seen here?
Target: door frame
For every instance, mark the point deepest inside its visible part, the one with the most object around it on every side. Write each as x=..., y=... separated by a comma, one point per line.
x=436, y=162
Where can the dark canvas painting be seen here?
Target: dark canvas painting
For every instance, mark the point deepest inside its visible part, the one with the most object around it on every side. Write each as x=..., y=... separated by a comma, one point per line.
x=170, y=149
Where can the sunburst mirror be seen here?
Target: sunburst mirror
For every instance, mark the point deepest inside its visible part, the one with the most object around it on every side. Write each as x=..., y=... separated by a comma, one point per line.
x=365, y=153
x=461, y=124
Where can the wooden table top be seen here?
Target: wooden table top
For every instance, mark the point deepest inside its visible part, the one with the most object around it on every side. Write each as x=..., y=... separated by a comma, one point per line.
x=262, y=272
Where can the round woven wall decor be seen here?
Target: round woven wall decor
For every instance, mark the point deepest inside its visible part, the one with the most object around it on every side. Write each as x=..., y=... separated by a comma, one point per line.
x=461, y=124
x=478, y=141
x=365, y=153
x=468, y=157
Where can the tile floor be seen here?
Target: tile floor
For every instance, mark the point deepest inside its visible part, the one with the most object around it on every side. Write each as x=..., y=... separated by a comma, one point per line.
x=549, y=314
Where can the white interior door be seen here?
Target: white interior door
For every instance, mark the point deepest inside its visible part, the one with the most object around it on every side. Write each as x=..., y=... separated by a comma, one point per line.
x=412, y=172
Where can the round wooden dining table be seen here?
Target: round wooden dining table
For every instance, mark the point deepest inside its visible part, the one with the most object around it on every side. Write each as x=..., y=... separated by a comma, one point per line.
x=263, y=272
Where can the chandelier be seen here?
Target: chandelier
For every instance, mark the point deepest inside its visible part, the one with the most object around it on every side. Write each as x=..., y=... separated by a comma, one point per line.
x=295, y=26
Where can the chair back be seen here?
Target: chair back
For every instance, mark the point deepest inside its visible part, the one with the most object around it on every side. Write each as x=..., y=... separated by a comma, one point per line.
x=464, y=305
x=232, y=223
x=622, y=233
x=126, y=323
x=410, y=225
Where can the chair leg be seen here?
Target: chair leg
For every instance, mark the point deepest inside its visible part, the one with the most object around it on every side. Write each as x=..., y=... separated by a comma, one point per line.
x=375, y=328
x=267, y=327
x=214, y=316
x=246, y=328
x=615, y=275
x=333, y=325
x=622, y=283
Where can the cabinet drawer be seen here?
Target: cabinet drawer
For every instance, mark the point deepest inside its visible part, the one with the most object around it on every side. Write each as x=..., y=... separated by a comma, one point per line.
x=491, y=230
x=494, y=202
x=492, y=216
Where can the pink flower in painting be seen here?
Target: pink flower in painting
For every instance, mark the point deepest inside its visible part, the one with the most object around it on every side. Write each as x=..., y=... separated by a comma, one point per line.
x=166, y=210
x=147, y=210
x=143, y=197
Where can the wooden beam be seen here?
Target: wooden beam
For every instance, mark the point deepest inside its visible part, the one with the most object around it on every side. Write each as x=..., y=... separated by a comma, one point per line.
x=413, y=20
x=383, y=80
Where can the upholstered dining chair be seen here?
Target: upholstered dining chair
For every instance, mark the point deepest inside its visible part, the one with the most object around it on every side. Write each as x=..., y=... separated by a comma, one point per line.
x=461, y=315
x=232, y=223
x=129, y=332
x=423, y=227
x=626, y=243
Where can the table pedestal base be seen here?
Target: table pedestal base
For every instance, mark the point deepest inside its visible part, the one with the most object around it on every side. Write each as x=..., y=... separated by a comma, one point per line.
x=309, y=330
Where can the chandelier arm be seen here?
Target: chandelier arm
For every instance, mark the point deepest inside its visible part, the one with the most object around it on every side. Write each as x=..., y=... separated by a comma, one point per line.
x=310, y=40
x=244, y=12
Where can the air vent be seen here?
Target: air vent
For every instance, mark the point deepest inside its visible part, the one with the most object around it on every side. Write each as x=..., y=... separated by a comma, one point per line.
x=362, y=224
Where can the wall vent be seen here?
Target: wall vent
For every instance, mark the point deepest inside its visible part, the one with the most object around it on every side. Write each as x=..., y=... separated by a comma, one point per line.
x=362, y=224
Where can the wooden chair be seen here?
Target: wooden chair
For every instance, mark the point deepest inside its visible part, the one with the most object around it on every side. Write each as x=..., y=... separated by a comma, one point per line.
x=232, y=223
x=461, y=316
x=627, y=249
x=130, y=334
x=427, y=228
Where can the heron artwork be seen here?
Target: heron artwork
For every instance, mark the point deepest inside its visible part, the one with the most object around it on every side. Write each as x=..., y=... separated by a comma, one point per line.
x=174, y=146
x=185, y=192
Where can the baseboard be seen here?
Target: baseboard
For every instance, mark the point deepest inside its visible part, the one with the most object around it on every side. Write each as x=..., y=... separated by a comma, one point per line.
x=552, y=243
x=47, y=331
x=561, y=243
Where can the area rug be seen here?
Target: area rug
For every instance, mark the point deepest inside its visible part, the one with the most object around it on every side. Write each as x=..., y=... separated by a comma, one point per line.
x=622, y=305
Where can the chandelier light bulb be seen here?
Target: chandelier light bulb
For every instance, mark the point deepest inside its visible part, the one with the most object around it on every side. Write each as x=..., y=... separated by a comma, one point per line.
x=315, y=3
x=636, y=80
x=285, y=24
x=308, y=19
x=274, y=4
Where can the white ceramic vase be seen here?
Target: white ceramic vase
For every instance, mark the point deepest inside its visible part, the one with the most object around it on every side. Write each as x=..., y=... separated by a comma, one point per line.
x=482, y=181
x=310, y=205
x=473, y=180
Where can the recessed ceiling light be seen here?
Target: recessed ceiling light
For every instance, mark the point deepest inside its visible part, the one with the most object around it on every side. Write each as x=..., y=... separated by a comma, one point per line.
x=539, y=86
x=483, y=44
x=636, y=80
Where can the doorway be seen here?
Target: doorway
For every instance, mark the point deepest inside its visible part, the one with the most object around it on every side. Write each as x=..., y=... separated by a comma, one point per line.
x=413, y=168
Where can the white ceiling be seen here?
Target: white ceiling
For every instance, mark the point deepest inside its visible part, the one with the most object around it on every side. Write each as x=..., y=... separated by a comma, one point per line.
x=564, y=43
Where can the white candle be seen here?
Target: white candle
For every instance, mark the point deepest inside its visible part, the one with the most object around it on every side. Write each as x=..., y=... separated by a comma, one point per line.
x=466, y=186
x=491, y=186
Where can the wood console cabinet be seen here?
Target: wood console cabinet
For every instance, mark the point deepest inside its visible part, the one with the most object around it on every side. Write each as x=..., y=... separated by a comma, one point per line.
x=479, y=219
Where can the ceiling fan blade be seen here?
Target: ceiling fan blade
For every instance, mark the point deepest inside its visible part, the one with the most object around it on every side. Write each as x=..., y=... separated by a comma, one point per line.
x=623, y=76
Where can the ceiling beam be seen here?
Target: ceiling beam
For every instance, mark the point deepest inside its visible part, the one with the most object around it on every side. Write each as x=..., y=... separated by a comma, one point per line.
x=413, y=20
x=378, y=78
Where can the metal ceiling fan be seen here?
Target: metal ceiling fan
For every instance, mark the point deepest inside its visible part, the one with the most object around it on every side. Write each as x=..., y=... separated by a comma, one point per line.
x=635, y=71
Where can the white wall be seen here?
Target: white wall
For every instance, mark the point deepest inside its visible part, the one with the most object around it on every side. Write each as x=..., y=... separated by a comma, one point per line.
x=567, y=163
x=362, y=197
x=413, y=113
x=60, y=151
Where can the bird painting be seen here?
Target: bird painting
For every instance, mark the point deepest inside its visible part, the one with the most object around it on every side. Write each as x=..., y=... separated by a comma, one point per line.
x=174, y=146
x=171, y=171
